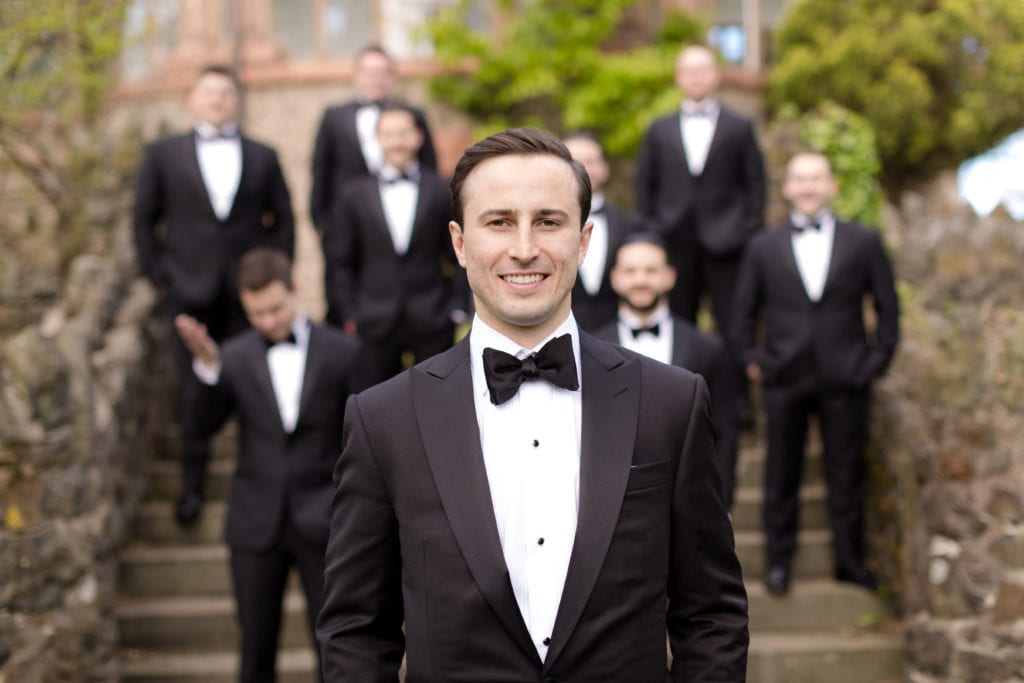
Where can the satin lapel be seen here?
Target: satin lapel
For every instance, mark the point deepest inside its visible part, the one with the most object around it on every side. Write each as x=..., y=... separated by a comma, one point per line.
x=839, y=250
x=721, y=124
x=243, y=176
x=257, y=351
x=374, y=204
x=420, y=217
x=788, y=257
x=611, y=404
x=190, y=162
x=442, y=393
x=677, y=139
x=314, y=363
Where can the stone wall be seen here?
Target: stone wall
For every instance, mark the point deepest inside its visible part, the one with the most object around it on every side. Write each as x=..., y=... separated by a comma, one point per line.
x=80, y=405
x=950, y=446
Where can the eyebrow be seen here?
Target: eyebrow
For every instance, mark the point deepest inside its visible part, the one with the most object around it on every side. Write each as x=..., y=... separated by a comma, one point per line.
x=542, y=213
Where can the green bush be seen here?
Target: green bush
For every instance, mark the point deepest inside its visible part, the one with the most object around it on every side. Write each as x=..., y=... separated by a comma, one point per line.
x=849, y=143
x=561, y=66
x=938, y=80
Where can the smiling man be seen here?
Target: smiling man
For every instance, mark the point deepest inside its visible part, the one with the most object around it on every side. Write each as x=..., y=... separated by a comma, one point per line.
x=532, y=504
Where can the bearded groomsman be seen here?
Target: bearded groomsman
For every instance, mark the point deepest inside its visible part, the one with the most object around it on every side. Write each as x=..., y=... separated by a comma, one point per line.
x=202, y=199
x=807, y=281
x=593, y=301
x=642, y=279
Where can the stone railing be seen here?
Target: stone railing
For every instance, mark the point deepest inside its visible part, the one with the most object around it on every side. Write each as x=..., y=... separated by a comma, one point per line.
x=81, y=400
x=950, y=446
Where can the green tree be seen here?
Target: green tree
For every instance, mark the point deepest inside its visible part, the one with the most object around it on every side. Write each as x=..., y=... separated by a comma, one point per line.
x=561, y=65
x=57, y=60
x=939, y=80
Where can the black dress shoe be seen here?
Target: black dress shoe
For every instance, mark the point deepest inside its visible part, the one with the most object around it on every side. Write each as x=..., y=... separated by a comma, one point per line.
x=777, y=580
x=187, y=509
x=859, y=576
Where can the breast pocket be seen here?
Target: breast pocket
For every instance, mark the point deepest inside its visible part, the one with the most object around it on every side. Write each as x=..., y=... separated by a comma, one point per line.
x=649, y=476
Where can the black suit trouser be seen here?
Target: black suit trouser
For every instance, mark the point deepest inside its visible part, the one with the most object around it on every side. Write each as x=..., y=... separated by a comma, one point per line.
x=223, y=318
x=259, y=579
x=381, y=359
x=843, y=419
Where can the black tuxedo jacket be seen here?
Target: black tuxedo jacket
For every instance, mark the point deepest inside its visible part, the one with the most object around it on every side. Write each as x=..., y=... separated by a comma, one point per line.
x=369, y=282
x=826, y=339
x=723, y=207
x=593, y=311
x=707, y=355
x=338, y=158
x=179, y=239
x=414, y=537
x=278, y=473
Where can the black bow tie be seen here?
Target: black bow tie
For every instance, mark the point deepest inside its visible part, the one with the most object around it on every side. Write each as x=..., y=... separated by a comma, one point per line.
x=412, y=177
x=809, y=226
x=654, y=329
x=553, y=363
x=225, y=133
x=290, y=339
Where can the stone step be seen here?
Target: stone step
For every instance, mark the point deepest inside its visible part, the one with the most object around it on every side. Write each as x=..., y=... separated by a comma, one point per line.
x=748, y=506
x=813, y=605
x=223, y=445
x=851, y=656
x=154, y=523
x=750, y=468
x=164, y=480
x=294, y=665
x=199, y=623
x=813, y=556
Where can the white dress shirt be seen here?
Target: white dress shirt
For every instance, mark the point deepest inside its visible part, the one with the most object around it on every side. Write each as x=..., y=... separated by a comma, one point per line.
x=531, y=448
x=287, y=365
x=698, y=130
x=399, y=197
x=591, y=271
x=366, y=130
x=813, y=251
x=220, y=163
x=657, y=347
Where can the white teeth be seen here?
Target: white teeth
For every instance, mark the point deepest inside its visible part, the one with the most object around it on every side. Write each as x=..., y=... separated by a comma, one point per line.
x=523, y=279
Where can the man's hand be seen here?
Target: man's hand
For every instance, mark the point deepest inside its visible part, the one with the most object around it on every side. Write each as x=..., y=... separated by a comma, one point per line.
x=754, y=373
x=197, y=340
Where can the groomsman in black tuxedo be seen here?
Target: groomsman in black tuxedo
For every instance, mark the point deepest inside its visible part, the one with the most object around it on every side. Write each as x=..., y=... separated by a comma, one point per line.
x=642, y=280
x=700, y=179
x=202, y=199
x=287, y=380
x=390, y=269
x=347, y=146
x=593, y=301
x=807, y=281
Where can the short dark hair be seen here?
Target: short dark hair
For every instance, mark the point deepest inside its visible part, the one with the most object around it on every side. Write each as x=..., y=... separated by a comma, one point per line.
x=645, y=235
x=262, y=266
x=583, y=134
x=219, y=70
x=374, y=49
x=513, y=142
x=396, y=105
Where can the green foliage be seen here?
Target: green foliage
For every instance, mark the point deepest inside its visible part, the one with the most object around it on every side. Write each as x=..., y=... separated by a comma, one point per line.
x=938, y=80
x=848, y=141
x=57, y=63
x=558, y=65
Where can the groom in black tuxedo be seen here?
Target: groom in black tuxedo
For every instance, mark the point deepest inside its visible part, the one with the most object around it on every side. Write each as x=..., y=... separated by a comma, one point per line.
x=202, y=199
x=807, y=280
x=534, y=503
x=642, y=279
x=287, y=381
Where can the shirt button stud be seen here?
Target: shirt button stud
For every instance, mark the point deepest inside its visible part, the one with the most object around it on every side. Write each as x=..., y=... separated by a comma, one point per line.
x=536, y=443
x=547, y=641
x=540, y=541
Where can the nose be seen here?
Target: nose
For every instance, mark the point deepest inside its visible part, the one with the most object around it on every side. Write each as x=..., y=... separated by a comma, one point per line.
x=523, y=247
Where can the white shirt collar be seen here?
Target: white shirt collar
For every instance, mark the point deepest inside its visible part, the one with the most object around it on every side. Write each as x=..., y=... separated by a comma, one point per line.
x=660, y=315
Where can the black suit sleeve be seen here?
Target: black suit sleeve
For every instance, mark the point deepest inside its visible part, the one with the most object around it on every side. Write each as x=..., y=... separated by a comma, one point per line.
x=746, y=305
x=147, y=212
x=707, y=610
x=323, y=173
x=886, y=302
x=360, y=625
x=753, y=181
x=283, y=231
x=645, y=178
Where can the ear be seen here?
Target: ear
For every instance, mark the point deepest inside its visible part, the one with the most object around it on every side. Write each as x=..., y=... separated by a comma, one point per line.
x=588, y=229
x=458, y=242
x=670, y=278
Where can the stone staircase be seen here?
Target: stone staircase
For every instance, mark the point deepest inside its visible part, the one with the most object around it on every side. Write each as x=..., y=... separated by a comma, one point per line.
x=177, y=620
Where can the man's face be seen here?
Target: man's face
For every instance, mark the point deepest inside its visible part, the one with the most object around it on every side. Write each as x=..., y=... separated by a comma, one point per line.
x=271, y=310
x=697, y=74
x=642, y=276
x=588, y=153
x=809, y=185
x=399, y=137
x=214, y=99
x=521, y=243
x=373, y=76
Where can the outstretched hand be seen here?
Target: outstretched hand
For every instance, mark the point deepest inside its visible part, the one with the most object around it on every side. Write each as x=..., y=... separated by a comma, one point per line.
x=197, y=340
